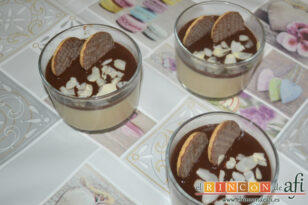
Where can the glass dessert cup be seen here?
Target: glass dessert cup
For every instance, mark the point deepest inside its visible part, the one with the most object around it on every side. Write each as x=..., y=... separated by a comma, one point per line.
x=95, y=113
x=199, y=76
x=177, y=193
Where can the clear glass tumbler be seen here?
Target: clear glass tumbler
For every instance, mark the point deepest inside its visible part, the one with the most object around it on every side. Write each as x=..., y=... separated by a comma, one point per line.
x=177, y=194
x=95, y=113
x=197, y=75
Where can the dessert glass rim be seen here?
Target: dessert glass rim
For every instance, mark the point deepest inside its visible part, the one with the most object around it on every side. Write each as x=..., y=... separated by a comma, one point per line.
x=106, y=96
x=168, y=154
x=243, y=62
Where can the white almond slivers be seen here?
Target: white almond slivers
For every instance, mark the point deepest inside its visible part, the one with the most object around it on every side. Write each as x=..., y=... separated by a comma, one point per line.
x=107, y=88
x=121, y=84
x=206, y=175
x=249, y=44
x=212, y=60
x=113, y=74
x=231, y=163
x=242, y=55
x=221, y=175
x=217, y=47
x=71, y=83
x=108, y=70
x=100, y=92
x=199, y=54
x=82, y=86
x=240, y=156
x=258, y=174
x=259, y=158
x=220, y=159
x=107, y=61
x=236, y=47
x=95, y=75
x=120, y=74
x=246, y=164
x=208, y=52
x=86, y=92
x=230, y=58
x=238, y=177
x=243, y=38
x=249, y=176
x=119, y=64
x=116, y=80
x=66, y=91
x=100, y=82
x=224, y=44
x=219, y=51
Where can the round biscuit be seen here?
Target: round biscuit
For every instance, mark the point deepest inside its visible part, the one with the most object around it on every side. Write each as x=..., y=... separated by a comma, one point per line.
x=200, y=27
x=67, y=51
x=226, y=25
x=222, y=139
x=190, y=152
x=95, y=47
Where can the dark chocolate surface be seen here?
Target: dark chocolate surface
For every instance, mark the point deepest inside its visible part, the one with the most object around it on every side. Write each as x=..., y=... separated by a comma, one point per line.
x=75, y=70
x=245, y=144
x=207, y=42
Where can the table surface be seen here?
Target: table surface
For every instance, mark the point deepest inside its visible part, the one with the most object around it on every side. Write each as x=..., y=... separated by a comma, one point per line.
x=41, y=157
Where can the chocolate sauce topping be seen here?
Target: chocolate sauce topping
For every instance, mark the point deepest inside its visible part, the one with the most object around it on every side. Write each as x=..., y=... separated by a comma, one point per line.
x=75, y=70
x=245, y=144
x=207, y=42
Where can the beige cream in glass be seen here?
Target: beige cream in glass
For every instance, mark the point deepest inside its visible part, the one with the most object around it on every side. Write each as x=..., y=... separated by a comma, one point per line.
x=210, y=79
x=96, y=113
